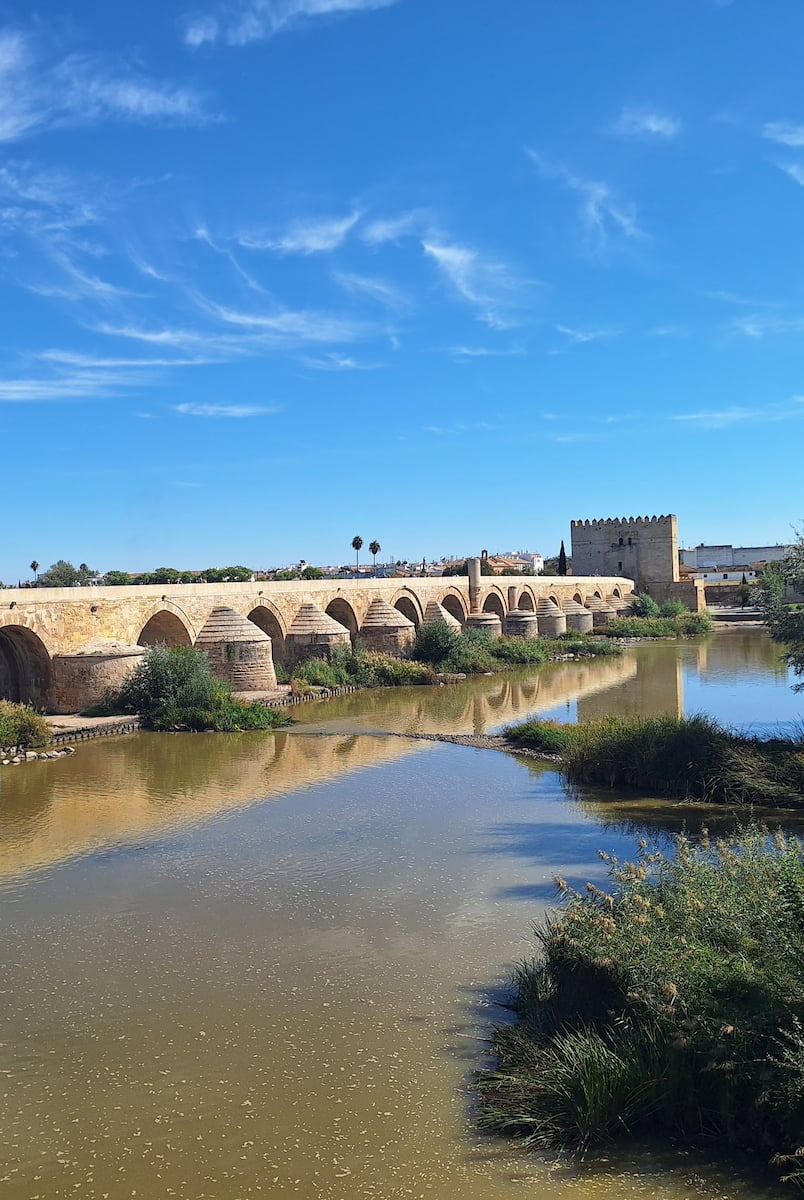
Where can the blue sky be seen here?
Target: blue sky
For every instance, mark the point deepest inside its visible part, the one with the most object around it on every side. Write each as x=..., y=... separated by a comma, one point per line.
x=444, y=273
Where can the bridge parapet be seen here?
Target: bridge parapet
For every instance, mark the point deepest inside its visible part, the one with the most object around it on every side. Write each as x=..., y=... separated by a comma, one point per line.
x=37, y=624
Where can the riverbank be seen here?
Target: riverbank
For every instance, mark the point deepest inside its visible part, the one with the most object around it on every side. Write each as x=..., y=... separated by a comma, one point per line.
x=683, y=758
x=668, y=1002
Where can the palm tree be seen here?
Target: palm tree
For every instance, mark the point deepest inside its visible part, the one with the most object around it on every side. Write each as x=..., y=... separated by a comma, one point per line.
x=374, y=550
x=35, y=568
x=357, y=546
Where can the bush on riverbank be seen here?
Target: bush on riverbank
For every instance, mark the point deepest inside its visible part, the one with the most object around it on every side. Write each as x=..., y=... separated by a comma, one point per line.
x=689, y=758
x=685, y=624
x=474, y=652
x=174, y=688
x=23, y=726
x=361, y=668
x=671, y=1002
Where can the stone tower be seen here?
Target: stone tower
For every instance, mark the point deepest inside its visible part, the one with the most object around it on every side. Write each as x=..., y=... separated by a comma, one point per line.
x=644, y=549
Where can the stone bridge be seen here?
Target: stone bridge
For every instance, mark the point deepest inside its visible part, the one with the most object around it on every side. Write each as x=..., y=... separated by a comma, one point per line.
x=59, y=646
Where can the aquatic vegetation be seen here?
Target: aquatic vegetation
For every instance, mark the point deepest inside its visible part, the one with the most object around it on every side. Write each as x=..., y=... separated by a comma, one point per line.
x=684, y=624
x=670, y=1001
x=688, y=758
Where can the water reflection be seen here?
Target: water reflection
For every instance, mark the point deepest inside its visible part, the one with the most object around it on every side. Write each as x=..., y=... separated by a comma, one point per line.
x=212, y=995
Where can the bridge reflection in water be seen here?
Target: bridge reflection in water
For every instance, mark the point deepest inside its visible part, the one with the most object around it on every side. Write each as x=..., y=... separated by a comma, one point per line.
x=121, y=790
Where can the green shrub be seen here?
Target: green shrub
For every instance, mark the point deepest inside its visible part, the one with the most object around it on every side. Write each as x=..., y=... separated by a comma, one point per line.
x=470, y=654
x=174, y=688
x=547, y=737
x=21, y=725
x=688, y=624
x=571, y=635
x=670, y=1002
x=671, y=608
x=435, y=641
x=644, y=605
x=521, y=650
x=361, y=668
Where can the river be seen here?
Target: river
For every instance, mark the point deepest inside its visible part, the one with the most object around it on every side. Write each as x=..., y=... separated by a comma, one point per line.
x=266, y=964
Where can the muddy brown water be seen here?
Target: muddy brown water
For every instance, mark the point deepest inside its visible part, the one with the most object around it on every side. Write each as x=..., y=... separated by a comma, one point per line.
x=266, y=964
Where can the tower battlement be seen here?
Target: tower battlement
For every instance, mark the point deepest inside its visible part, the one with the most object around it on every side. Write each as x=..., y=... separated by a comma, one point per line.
x=643, y=548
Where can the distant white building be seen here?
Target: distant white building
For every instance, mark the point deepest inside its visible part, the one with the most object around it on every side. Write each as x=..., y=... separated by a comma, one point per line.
x=730, y=559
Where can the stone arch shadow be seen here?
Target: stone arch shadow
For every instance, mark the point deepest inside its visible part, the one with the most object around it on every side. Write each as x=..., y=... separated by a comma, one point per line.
x=617, y=592
x=166, y=626
x=578, y=598
x=341, y=611
x=526, y=601
x=267, y=617
x=26, y=674
x=454, y=603
x=408, y=604
x=494, y=603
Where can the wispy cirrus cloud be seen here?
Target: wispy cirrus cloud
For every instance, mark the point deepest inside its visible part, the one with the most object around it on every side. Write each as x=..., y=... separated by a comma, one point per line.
x=413, y=222
x=243, y=21
x=36, y=93
x=225, y=410
x=578, y=337
x=785, y=132
x=603, y=215
x=724, y=418
x=339, y=362
x=291, y=327
x=485, y=283
x=315, y=236
x=646, y=123
x=795, y=171
x=373, y=288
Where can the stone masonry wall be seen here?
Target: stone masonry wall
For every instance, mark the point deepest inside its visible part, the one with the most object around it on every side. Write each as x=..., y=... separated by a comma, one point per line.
x=643, y=548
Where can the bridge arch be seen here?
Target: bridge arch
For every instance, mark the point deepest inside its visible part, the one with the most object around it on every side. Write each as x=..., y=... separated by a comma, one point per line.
x=526, y=601
x=597, y=593
x=495, y=603
x=578, y=598
x=616, y=592
x=455, y=605
x=407, y=602
x=341, y=611
x=267, y=617
x=25, y=666
x=166, y=626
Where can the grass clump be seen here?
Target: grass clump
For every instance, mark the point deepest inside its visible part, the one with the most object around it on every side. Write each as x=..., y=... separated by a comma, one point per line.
x=687, y=758
x=361, y=668
x=473, y=652
x=21, y=725
x=173, y=688
x=670, y=1002
x=685, y=624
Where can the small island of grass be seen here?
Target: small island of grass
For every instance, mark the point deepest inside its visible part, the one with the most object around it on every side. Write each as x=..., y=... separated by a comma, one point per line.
x=685, y=758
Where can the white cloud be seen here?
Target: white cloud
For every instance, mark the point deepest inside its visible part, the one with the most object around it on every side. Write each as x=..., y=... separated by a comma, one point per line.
x=391, y=229
x=69, y=385
x=785, y=132
x=795, y=172
x=35, y=94
x=579, y=336
x=247, y=21
x=481, y=281
x=224, y=410
x=97, y=362
x=738, y=415
x=339, y=362
x=646, y=123
x=305, y=237
x=290, y=327
x=602, y=214
x=373, y=289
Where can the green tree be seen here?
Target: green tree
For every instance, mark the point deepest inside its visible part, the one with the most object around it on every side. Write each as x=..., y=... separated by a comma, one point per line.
x=59, y=574
x=562, y=559
x=117, y=578
x=165, y=575
x=374, y=550
x=785, y=621
x=286, y=576
x=35, y=568
x=312, y=573
x=357, y=546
